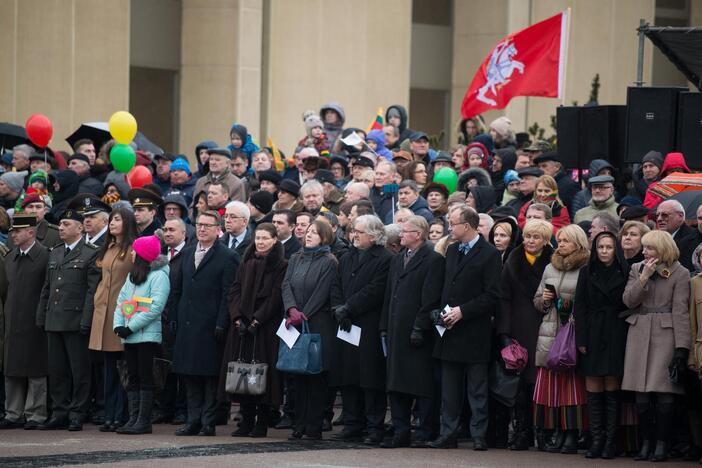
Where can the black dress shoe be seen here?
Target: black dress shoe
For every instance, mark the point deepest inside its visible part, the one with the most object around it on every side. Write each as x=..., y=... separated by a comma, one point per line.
x=75, y=425
x=284, y=423
x=105, y=427
x=348, y=436
x=479, y=444
x=374, y=438
x=188, y=430
x=420, y=443
x=207, y=431
x=53, y=424
x=7, y=424
x=396, y=442
x=444, y=442
x=296, y=435
x=31, y=425
x=312, y=437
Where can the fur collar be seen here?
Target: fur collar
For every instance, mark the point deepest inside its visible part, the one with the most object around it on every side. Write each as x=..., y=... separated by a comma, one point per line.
x=573, y=261
x=160, y=262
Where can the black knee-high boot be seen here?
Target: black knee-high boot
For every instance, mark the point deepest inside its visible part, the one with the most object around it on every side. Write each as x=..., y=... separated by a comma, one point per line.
x=611, y=424
x=595, y=409
x=664, y=424
x=646, y=418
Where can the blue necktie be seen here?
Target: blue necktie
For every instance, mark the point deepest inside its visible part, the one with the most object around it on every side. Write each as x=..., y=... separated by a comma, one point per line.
x=464, y=248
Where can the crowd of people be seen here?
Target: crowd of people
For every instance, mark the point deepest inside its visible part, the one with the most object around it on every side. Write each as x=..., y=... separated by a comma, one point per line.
x=124, y=305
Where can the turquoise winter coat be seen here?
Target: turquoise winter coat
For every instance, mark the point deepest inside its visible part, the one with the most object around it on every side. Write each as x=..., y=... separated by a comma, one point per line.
x=145, y=326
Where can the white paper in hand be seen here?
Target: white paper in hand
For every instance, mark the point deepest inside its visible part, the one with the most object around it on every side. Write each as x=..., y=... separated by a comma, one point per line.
x=440, y=328
x=288, y=334
x=353, y=336
x=352, y=139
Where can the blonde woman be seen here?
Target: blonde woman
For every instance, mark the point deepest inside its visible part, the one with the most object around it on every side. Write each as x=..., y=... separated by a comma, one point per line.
x=559, y=397
x=658, y=292
x=546, y=192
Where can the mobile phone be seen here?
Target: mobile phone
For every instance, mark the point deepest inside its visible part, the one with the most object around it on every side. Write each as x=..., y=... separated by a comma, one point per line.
x=551, y=288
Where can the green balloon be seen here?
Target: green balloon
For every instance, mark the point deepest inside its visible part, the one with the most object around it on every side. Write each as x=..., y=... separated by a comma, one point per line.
x=447, y=177
x=122, y=158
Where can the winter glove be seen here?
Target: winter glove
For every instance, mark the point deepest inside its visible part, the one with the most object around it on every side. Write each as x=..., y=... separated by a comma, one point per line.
x=341, y=312
x=219, y=334
x=436, y=317
x=680, y=358
x=295, y=317
x=123, y=332
x=345, y=325
x=383, y=334
x=416, y=338
x=240, y=327
x=85, y=330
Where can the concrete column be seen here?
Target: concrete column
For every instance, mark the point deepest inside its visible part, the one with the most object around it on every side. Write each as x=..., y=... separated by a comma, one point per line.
x=68, y=59
x=356, y=52
x=220, y=70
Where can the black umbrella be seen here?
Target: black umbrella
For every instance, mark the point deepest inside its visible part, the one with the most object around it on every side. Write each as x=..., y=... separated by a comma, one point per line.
x=99, y=133
x=690, y=200
x=12, y=135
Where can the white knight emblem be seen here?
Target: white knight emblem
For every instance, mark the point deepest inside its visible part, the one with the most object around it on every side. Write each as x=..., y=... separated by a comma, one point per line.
x=499, y=69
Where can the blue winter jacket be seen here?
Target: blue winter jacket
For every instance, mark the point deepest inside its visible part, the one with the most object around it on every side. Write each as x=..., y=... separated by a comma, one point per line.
x=146, y=325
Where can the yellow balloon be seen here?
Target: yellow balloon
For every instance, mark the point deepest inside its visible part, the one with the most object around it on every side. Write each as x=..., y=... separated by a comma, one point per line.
x=123, y=127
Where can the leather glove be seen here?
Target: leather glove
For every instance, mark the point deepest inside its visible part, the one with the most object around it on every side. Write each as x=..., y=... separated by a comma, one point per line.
x=436, y=317
x=173, y=326
x=123, y=332
x=341, y=312
x=345, y=324
x=416, y=338
x=219, y=333
x=84, y=330
x=680, y=358
x=241, y=328
x=295, y=317
x=504, y=340
x=253, y=328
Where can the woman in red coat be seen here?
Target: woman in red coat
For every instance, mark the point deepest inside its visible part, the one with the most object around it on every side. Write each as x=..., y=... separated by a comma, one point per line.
x=547, y=193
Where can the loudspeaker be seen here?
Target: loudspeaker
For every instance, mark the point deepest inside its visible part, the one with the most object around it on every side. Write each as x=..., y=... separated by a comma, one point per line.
x=568, y=131
x=689, y=136
x=587, y=133
x=651, y=121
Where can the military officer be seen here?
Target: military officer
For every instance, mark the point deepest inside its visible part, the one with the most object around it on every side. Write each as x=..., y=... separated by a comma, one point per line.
x=146, y=204
x=65, y=312
x=96, y=214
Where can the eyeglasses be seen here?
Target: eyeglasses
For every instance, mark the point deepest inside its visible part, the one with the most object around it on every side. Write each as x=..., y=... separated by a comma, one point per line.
x=408, y=232
x=230, y=216
x=205, y=225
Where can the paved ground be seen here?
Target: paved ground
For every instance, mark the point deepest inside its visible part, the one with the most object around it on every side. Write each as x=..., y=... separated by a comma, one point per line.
x=163, y=449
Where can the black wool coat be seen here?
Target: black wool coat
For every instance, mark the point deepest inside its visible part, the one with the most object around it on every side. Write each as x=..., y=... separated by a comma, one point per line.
x=200, y=299
x=598, y=326
x=472, y=282
x=516, y=316
x=364, y=275
x=413, y=291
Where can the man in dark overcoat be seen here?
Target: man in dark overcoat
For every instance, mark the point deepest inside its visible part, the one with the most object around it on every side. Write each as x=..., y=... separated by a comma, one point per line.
x=364, y=272
x=472, y=291
x=414, y=286
x=65, y=312
x=25, y=365
x=201, y=321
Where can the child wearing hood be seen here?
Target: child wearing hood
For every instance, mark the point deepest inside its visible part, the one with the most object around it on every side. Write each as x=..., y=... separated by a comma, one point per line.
x=315, y=137
x=137, y=320
x=376, y=140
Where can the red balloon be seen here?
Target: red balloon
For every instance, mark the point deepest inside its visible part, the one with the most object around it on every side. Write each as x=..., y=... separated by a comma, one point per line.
x=39, y=129
x=139, y=176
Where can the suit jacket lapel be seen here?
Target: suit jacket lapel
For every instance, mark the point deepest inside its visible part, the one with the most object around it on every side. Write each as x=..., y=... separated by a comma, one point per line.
x=463, y=260
x=415, y=261
x=210, y=253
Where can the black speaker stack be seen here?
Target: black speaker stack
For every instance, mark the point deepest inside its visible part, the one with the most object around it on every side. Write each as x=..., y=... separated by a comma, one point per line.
x=663, y=119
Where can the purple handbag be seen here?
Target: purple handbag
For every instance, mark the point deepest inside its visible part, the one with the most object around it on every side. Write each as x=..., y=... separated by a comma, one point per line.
x=563, y=354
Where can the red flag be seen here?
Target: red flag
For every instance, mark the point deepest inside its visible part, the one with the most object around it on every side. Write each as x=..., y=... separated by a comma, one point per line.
x=530, y=62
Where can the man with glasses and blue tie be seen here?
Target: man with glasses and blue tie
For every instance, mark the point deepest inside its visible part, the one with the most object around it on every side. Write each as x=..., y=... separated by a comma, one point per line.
x=471, y=293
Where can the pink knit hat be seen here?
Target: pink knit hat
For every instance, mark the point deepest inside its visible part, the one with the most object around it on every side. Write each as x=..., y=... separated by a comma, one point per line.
x=148, y=248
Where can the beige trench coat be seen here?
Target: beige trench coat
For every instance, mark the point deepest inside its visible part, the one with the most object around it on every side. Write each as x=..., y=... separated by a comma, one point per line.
x=115, y=269
x=695, y=359
x=660, y=323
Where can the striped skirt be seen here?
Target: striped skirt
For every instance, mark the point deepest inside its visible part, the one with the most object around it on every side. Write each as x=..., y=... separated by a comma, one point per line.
x=559, y=400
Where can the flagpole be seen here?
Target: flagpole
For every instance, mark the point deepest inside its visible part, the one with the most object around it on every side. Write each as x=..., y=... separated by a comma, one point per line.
x=565, y=56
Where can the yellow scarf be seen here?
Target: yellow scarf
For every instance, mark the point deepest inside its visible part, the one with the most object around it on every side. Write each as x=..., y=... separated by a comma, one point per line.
x=530, y=258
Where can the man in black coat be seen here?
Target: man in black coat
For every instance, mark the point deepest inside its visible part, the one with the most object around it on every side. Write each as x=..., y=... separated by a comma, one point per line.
x=284, y=222
x=364, y=272
x=199, y=296
x=414, y=286
x=236, y=222
x=670, y=217
x=471, y=291
x=65, y=312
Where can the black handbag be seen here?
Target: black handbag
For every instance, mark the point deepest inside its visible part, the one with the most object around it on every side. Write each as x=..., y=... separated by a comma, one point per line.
x=503, y=385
